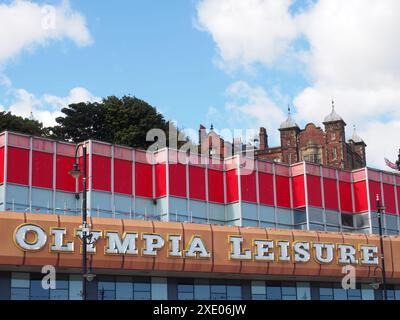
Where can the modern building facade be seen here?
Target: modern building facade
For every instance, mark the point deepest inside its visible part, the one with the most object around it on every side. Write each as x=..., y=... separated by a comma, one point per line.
x=237, y=223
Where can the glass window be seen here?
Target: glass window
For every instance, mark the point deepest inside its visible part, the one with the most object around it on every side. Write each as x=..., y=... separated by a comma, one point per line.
x=37, y=292
x=316, y=215
x=285, y=216
x=326, y=293
x=347, y=220
x=59, y=294
x=218, y=292
x=19, y=294
x=339, y=294
x=303, y=291
x=124, y=290
x=300, y=216
x=367, y=293
x=185, y=292
x=267, y=214
x=274, y=293
x=234, y=292
x=20, y=280
x=354, y=294
x=289, y=291
x=75, y=287
x=317, y=227
x=159, y=288
x=142, y=295
x=332, y=217
x=106, y=290
x=201, y=291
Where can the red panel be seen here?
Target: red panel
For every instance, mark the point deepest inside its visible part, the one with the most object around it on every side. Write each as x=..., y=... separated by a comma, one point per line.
x=346, y=203
x=360, y=196
x=248, y=187
x=398, y=196
x=2, y=165
x=143, y=180
x=374, y=189
x=232, y=191
x=101, y=173
x=266, y=185
x=42, y=169
x=299, y=194
x=215, y=186
x=331, y=195
x=177, y=180
x=197, y=183
x=282, y=191
x=64, y=181
x=123, y=176
x=314, y=191
x=390, y=200
x=161, y=180
x=18, y=166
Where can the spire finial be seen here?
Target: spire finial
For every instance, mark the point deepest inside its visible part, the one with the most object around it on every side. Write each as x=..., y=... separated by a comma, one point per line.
x=288, y=108
x=212, y=127
x=333, y=104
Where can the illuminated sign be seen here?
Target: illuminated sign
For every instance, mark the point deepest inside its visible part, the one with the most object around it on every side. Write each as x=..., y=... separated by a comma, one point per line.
x=32, y=237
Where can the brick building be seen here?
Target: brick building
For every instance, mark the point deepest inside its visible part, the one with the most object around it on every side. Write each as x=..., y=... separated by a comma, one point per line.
x=313, y=144
x=326, y=146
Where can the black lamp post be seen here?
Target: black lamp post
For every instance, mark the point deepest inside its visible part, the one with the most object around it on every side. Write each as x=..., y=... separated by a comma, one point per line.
x=86, y=236
x=380, y=209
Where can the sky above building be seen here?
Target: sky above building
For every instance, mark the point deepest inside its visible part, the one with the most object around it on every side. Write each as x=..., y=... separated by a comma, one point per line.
x=232, y=63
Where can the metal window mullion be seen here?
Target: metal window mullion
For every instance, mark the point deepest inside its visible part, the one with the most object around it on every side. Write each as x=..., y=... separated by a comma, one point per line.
x=30, y=173
x=167, y=182
x=338, y=198
x=188, y=188
x=239, y=175
x=382, y=201
x=306, y=193
x=321, y=174
x=54, y=175
x=112, y=180
x=153, y=179
x=368, y=199
x=275, y=196
x=258, y=194
x=207, y=197
x=133, y=183
x=5, y=170
x=89, y=200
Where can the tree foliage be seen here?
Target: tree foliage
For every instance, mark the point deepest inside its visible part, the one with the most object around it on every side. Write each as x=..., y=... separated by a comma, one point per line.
x=11, y=122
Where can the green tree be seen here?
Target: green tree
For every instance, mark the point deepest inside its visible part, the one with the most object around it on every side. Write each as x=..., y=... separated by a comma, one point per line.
x=11, y=122
x=124, y=121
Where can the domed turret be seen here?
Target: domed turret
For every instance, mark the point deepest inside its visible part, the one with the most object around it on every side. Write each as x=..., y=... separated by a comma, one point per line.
x=333, y=116
x=289, y=123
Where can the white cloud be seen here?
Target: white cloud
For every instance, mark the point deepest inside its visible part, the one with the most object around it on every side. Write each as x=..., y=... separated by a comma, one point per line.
x=48, y=107
x=252, y=107
x=353, y=56
x=26, y=25
x=248, y=31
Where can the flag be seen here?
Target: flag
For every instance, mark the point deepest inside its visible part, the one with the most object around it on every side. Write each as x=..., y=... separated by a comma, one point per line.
x=391, y=164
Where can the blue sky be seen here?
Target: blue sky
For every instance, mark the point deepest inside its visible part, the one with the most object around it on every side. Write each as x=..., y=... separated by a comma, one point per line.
x=197, y=62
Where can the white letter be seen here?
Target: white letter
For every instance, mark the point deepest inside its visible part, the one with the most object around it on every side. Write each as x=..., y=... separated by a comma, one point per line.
x=368, y=255
x=347, y=254
x=37, y=244
x=301, y=251
x=284, y=251
x=196, y=246
x=175, y=250
x=58, y=245
x=116, y=246
x=329, y=252
x=263, y=250
x=236, y=249
x=152, y=242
